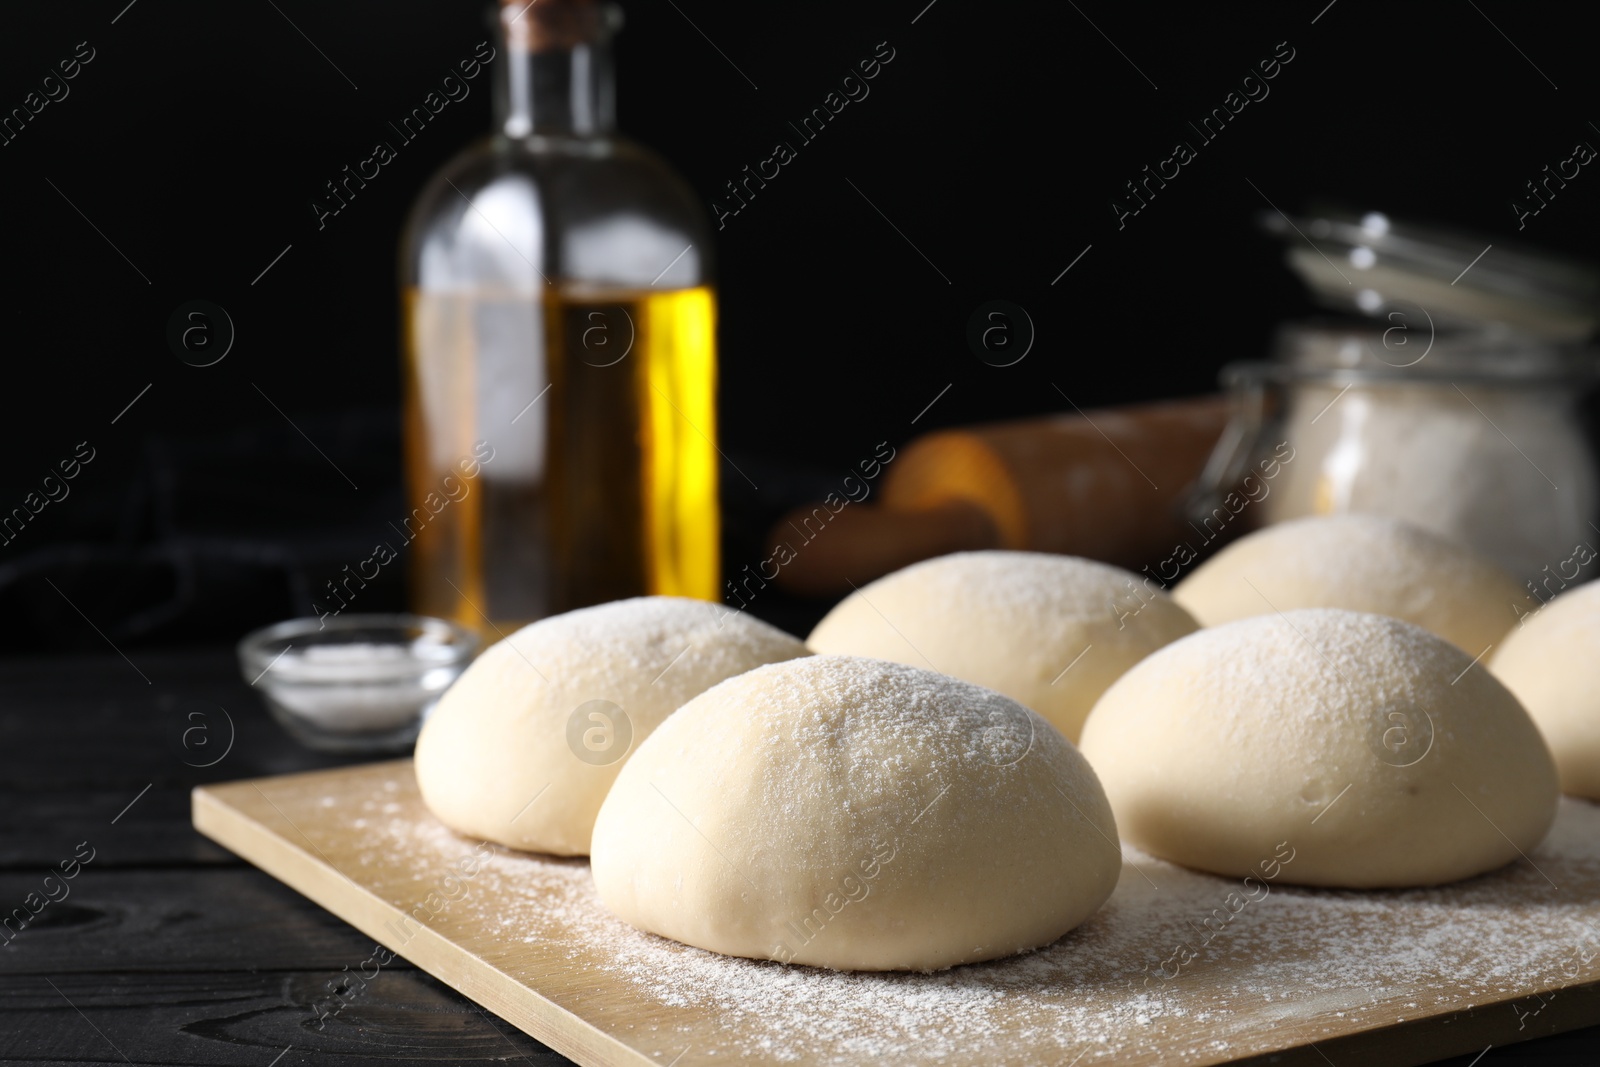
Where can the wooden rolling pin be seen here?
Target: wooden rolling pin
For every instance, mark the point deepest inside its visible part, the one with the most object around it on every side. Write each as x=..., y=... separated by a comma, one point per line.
x=1108, y=485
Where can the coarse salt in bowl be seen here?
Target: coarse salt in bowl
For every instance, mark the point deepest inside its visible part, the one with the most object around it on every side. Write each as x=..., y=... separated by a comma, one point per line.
x=355, y=683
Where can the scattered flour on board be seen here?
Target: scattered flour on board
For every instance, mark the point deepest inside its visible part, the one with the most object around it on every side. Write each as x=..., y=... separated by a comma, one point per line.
x=1294, y=966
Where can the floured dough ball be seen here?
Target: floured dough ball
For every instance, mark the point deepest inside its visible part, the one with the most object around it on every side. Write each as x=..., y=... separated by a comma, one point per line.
x=1366, y=749
x=859, y=815
x=523, y=747
x=1552, y=664
x=1048, y=631
x=1359, y=563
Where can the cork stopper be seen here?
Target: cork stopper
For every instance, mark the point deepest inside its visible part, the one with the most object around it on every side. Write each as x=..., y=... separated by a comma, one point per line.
x=558, y=25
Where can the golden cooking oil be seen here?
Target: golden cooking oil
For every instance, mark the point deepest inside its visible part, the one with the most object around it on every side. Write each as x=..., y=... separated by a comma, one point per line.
x=583, y=471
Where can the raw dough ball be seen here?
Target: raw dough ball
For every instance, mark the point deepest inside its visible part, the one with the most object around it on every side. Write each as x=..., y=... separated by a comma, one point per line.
x=1017, y=622
x=1369, y=751
x=523, y=747
x=859, y=815
x=1552, y=664
x=1359, y=563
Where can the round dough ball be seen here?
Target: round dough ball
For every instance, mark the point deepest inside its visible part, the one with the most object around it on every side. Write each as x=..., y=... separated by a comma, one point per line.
x=1367, y=750
x=1552, y=664
x=523, y=747
x=859, y=815
x=1358, y=563
x=1048, y=631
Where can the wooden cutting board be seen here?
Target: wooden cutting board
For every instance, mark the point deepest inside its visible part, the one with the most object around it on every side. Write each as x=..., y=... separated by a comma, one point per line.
x=1179, y=967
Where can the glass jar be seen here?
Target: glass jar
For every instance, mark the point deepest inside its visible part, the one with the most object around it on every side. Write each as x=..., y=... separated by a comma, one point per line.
x=1474, y=436
x=560, y=364
x=1446, y=393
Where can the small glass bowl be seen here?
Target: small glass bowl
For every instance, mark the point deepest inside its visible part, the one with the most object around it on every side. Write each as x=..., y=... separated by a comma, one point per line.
x=355, y=683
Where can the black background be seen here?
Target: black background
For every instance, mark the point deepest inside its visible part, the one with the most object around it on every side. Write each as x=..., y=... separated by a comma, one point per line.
x=994, y=142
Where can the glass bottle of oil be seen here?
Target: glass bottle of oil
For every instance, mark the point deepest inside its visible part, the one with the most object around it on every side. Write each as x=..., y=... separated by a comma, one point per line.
x=560, y=361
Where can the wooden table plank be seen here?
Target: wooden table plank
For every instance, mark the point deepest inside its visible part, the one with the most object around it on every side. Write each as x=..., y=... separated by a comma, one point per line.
x=42, y=827
x=229, y=920
x=248, y=1019
x=96, y=724
x=81, y=740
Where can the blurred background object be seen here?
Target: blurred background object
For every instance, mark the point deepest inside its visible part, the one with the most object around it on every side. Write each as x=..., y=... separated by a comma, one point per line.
x=1454, y=404
x=190, y=159
x=1388, y=268
x=1108, y=485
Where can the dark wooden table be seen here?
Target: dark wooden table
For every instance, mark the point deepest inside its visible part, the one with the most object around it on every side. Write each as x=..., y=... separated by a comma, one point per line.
x=166, y=949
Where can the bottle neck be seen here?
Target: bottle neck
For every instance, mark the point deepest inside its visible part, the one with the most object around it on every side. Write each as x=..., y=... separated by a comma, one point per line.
x=555, y=77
